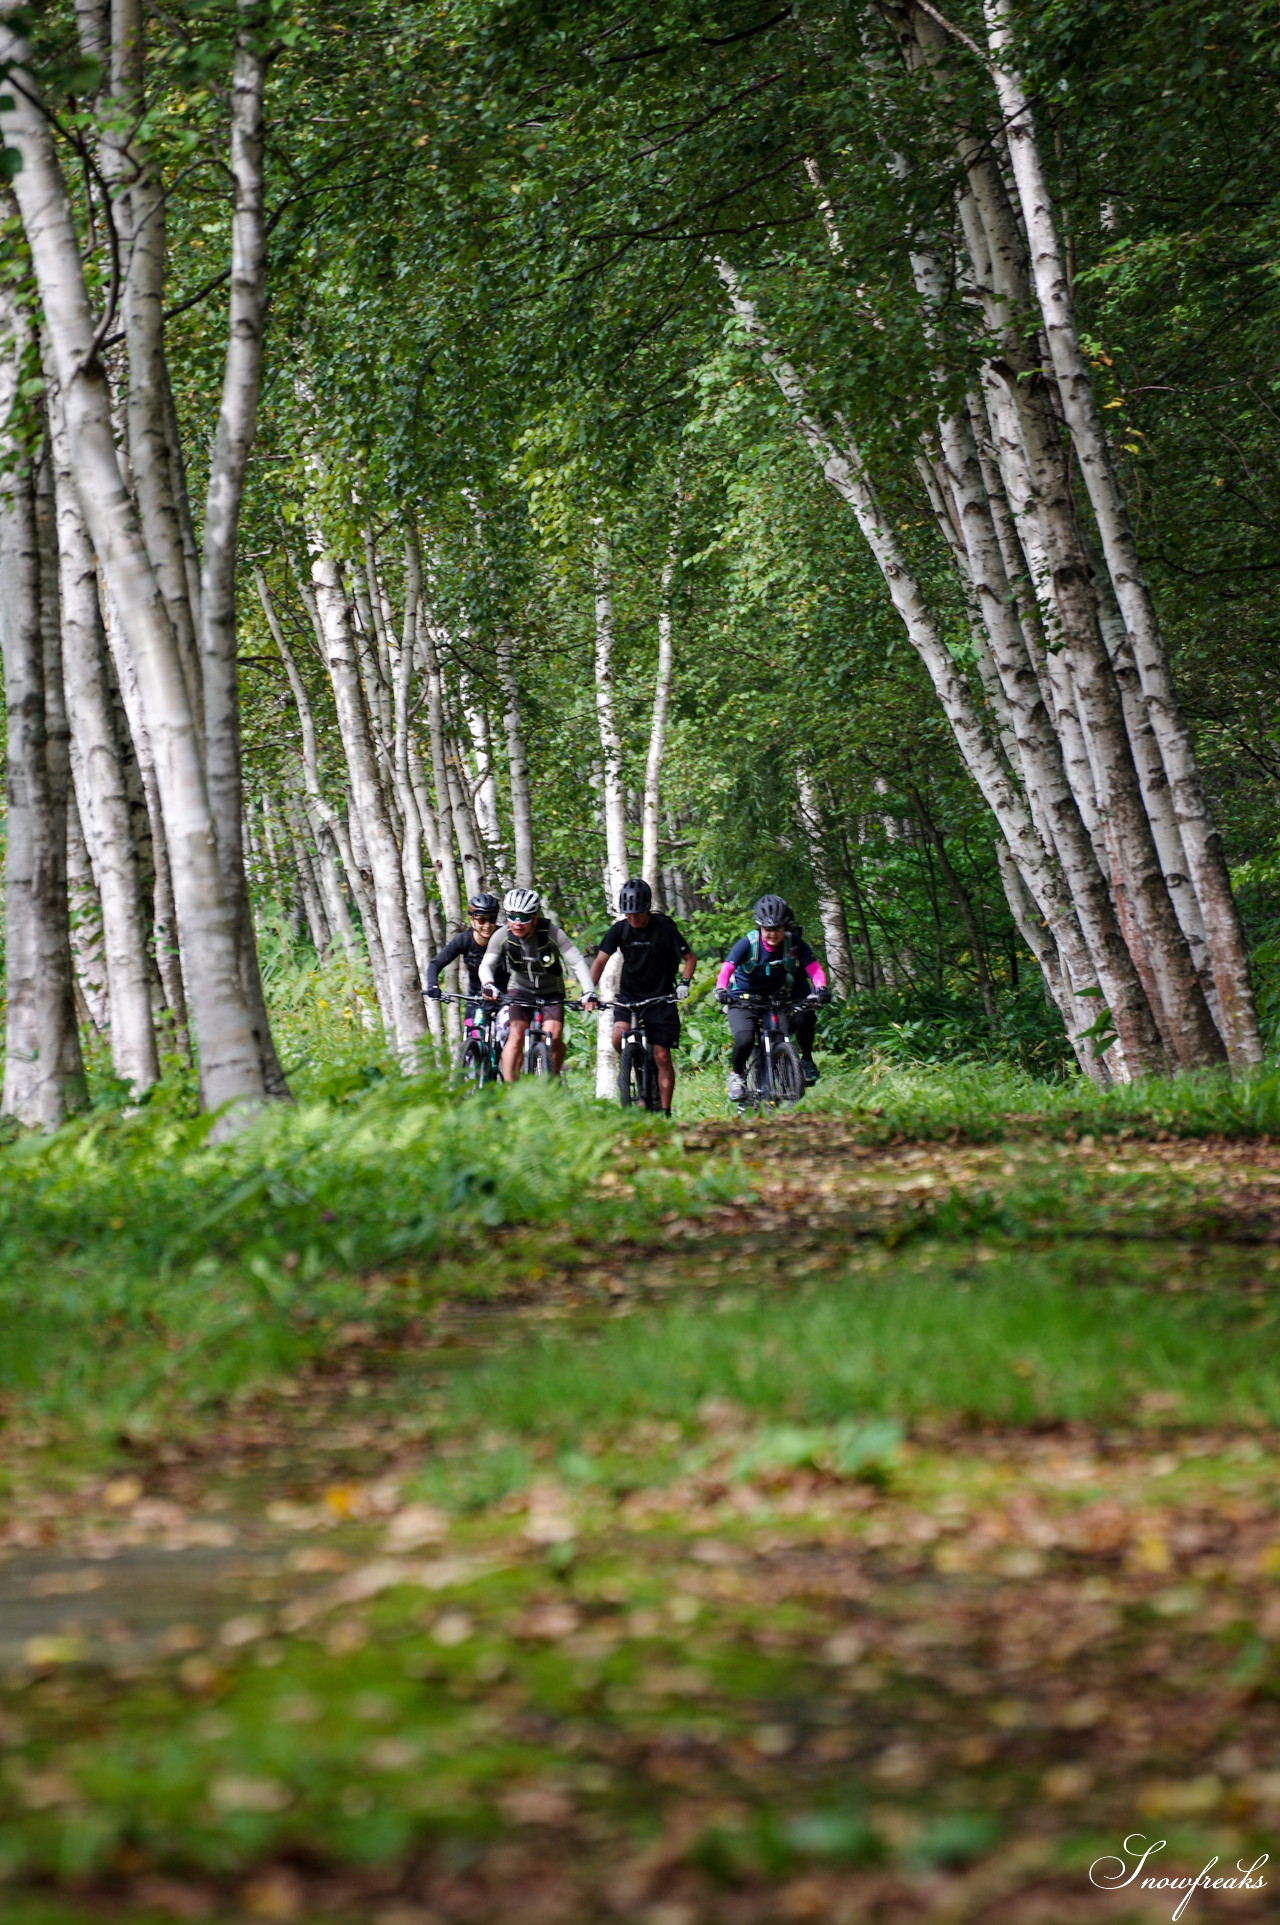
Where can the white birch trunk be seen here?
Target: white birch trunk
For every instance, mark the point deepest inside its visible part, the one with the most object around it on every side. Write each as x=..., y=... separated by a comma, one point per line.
x=228, y=467
x=615, y=807
x=404, y=1010
x=414, y=827
x=230, y=1063
x=88, y=946
x=446, y=871
x=43, y=1077
x=835, y=932
x=1200, y=838
x=844, y=471
x=517, y=769
x=651, y=813
x=320, y=813
x=101, y=783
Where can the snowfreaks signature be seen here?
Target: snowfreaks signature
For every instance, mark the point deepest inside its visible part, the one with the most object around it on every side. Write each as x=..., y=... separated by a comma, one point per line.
x=1101, y=1873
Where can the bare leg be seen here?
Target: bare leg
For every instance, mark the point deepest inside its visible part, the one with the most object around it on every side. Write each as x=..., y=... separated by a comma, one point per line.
x=554, y=1031
x=666, y=1073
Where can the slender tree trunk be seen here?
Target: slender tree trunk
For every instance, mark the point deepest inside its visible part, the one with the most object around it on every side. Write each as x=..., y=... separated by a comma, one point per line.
x=414, y=827
x=446, y=872
x=320, y=814
x=484, y=788
x=843, y=469
x=228, y=467
x=100, y=775
x=230, y=1064
x=964, y=903
x=405, y=1010
x=43, y=1075
x=615, y=807
x=88, y=949
x=517, y=769
x=835, y=932
x=652, y=810
x=140, y=210
x=1201, y=841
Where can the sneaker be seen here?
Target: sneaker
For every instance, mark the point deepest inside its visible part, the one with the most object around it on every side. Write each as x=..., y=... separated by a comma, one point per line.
x=811, y=1071
x=737, y=1090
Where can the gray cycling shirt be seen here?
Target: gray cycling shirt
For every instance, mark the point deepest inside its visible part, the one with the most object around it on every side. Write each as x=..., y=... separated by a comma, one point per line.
x=529, y=975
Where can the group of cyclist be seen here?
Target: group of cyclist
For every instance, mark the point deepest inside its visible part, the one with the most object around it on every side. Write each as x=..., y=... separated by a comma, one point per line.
x=516, y=953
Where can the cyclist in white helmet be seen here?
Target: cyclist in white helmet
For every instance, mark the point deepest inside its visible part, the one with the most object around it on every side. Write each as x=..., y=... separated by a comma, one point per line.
x=535, y=949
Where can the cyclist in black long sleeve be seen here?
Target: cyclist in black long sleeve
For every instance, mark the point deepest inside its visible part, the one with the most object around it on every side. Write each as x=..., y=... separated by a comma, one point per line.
x=468, y=947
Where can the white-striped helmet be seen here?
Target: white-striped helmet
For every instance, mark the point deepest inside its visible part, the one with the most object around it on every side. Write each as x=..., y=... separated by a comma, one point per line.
x=520, y=903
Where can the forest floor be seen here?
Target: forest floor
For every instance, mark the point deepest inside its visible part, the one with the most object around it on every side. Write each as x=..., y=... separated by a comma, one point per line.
x=888, y=1535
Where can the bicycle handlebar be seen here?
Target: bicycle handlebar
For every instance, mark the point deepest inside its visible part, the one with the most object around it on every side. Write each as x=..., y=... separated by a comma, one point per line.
x=770, y=1002
x=645, y=1002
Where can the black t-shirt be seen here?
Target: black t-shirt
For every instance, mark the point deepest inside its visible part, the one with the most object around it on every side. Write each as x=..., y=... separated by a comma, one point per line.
x=462, y=945
x=650, y=956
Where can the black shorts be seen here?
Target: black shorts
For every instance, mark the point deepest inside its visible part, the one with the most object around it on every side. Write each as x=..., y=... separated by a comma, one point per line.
x=522, y=1012
x=660, y=1022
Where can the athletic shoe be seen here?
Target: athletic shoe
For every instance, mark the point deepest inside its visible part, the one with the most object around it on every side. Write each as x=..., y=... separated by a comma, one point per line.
x=811, y=1071
x=737, y=1090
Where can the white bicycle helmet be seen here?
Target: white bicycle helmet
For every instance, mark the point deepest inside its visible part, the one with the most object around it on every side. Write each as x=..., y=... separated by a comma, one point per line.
x=520, y=903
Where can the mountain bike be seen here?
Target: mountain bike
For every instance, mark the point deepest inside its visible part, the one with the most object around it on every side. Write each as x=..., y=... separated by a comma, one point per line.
x=538, y=1060
x=637, y=1071
x=479, y=1058
x=774, y=1074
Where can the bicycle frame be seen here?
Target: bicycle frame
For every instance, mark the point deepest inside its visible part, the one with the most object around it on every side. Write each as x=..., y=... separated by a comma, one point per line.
x=773, y=1027
x=637, y=1036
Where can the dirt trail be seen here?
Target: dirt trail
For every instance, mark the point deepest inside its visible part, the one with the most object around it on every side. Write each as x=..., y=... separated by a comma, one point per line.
x=705, y=1698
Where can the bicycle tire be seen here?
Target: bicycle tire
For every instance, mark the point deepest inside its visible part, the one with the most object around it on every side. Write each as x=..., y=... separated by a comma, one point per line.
x=470, y=1062
x=630, y=1091
x=538, y=1061
x=652, y=1095
x=759, y=1088
x=788, y=1076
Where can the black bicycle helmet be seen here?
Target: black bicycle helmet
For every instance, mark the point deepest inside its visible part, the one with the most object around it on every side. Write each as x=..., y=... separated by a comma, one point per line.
x=484, y=905
x=634, y=897
x=771, y=912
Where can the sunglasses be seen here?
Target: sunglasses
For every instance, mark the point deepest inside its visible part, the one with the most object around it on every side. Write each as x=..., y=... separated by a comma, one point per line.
x=522, y=922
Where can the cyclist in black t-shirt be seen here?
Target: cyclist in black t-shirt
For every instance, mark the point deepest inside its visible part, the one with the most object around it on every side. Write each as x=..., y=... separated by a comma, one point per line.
x=653, y=951
x=468, y=946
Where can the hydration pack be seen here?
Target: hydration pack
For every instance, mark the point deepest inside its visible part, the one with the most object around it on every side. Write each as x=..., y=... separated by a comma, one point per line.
x=546, y=959
x=781, y=968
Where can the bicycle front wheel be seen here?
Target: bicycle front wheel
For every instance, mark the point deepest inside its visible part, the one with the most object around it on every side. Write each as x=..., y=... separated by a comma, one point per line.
x=471, y=1062
x=788, y=1077
x=538, y=1061
x=652, y=1094
x=630, y=1077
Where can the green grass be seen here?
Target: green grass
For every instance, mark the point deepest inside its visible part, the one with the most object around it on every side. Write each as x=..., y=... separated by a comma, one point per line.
x=145, y=1273
x=142, y=1268
x=1022, y=1336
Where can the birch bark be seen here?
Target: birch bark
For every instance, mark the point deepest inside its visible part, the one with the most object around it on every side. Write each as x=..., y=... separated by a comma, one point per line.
x=405, y=1010
x=842, y=467
x=101, y=782
x=1201, y=840
x=230, y=1064
x=43, y=1077
x=651, y=813
x=319, y=813
x=835, y=930
x=228, y=467
x=615, y=817
x=517, y=768
x=88, y=948
x=140, y=210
